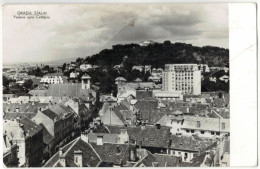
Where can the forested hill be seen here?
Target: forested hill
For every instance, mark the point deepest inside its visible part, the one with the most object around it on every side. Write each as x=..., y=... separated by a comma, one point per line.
x=159, y=54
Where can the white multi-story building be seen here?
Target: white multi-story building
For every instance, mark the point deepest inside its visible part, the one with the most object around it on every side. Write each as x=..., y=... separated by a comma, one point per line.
x=85, y=66
x=52, y=78
x=182, y=77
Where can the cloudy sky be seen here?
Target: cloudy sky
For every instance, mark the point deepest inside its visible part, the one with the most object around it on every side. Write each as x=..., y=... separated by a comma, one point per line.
x=81, y=30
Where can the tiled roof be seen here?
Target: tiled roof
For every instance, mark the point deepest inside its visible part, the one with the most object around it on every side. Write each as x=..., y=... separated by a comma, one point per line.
x=147, y=161
x=63, y=90
x=68, y=89
x=149, y=111
x=120, y=79
x=188, y=143
x=166, y=160
x=90, y=158
x=24, y=107
x=60, y=109
x=30, y=127
x=109, y=152
x=55, y=158
x=143, y=94
x=198, y=160
x=210, y=124
x=107, y=138
x=150, y=135
x=50, y=114
x=47, y=137
x=53, y=74
x=10, y=116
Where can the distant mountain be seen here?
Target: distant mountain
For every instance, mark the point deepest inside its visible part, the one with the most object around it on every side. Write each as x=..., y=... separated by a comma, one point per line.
x=159, y=54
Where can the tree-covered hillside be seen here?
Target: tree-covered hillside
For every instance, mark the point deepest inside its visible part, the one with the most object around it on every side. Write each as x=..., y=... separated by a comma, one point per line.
x=159, y=54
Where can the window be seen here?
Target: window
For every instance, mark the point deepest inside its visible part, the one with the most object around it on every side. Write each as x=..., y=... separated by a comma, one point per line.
x=202, y=132
x=192, y=131
x=218, y=133
x=187, y=131
x=185, y=156
x=179, y=153
x=223, y=126
x=198, y=123
x=212, y=133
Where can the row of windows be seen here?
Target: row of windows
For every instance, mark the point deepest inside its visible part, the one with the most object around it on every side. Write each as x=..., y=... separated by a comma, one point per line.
x=203, y=132
x=183, y=78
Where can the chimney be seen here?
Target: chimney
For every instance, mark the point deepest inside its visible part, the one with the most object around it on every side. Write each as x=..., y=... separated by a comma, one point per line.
x=158, y=126
x=62, y=160
x=188, y=110
x=132, y=156
x=78, y=159
x=100, y=140
x=17, y=109
x=199, y=150
x=117, y=149
x=140, y=144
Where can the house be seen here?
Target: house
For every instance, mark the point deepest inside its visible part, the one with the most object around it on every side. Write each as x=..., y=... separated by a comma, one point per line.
x=119, y=115
x=158, y=160
x=78, y=90
x=203, y=68
x=23, y=107
x=74, y=75
x=163, y=95
x=28, y=137
x=53, y=78
x=6, y=97
x=120, y=80
x=10, y=152
x=213, y=79
x=140, y=68
x=224, y=78
x=147, y=68
x=156, y=138
x=76, y=153
x=155, y=78
x=149, y=111
x=173, y=119
x=58, y=119
x=130, y=88
x=81, y=153
x=187, y=147
x=205, y=127
x=85, y=67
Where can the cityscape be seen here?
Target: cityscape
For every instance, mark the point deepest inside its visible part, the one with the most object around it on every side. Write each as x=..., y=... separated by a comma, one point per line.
x=145, y=103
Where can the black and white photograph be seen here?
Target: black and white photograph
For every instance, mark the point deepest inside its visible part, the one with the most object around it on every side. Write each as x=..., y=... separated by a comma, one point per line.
x=116, y=85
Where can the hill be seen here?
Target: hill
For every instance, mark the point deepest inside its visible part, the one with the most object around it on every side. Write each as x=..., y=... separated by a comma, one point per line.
x=159, y=54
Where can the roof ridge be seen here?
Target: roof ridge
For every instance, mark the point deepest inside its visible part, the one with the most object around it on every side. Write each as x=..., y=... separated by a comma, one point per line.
x=141, y=159
x=77, y=139
x=95, y=151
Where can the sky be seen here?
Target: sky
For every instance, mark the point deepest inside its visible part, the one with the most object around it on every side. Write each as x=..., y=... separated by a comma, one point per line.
x=74, y=31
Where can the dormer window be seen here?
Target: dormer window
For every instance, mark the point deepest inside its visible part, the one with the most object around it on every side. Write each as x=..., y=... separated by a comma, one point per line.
x=198, y=123
x=223, y=126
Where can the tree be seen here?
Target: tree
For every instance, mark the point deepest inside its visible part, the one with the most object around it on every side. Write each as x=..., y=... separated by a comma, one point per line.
x=28, y=84
x=5, y=82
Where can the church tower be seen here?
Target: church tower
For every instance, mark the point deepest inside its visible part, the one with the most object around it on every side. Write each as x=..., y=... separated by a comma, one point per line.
x=85, y=81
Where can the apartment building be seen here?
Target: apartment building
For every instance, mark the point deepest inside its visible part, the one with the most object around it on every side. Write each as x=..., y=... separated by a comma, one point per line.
x=182, y=77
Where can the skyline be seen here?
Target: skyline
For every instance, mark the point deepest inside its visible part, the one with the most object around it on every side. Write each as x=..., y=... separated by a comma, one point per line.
x=90, y=28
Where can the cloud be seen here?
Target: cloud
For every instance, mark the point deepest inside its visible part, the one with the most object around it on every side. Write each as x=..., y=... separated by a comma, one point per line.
x=81, y=30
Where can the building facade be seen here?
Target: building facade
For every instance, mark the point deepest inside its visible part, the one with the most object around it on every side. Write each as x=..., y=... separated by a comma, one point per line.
x=182, y=77
x=53, y=78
